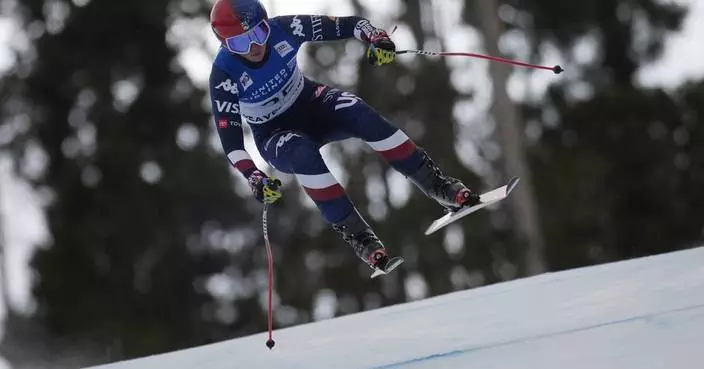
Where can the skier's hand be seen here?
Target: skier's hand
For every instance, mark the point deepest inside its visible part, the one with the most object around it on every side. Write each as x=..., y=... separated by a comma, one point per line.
x=265, y=189
x=381, y=49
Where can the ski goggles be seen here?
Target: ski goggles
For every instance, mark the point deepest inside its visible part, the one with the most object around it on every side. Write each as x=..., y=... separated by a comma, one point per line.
x=241, y=44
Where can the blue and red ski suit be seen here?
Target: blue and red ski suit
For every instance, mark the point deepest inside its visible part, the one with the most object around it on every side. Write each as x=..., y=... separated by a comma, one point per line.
x=292, y=117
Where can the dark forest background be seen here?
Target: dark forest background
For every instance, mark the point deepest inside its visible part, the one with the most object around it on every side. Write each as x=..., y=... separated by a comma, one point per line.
x=155, y=243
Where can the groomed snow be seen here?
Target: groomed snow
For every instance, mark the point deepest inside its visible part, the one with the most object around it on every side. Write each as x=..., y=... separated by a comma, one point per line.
x=643, y=314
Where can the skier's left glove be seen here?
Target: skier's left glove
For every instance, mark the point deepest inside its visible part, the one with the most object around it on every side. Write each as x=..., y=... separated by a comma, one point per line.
x=381, y=49
x=265, y=189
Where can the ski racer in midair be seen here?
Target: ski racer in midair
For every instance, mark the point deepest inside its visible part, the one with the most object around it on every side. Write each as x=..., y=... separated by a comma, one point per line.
x=255, y=78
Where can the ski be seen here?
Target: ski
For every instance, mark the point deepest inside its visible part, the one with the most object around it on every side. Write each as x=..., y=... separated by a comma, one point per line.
x=390, y=265
x=485, y=199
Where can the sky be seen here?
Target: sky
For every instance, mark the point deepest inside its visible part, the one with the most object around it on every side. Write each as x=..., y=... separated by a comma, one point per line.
x=684, y=53
x=22, y=218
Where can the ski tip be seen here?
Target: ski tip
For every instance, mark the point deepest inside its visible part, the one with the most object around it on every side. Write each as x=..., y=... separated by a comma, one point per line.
x=512, y=184
x=434, y=227
x=430, y=230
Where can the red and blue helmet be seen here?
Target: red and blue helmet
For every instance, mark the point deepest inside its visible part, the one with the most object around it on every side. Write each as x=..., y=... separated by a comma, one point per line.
x=239, y=23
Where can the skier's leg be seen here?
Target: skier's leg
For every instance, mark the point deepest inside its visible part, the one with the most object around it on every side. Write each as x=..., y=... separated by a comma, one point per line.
x=296, y=153
x=351, y=115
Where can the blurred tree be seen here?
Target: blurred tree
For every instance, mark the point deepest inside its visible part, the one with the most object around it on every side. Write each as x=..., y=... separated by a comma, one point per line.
x=152, y=250
x=627, y=33
x=138, y=198
x=612, y=166
x=510, y=134
x=622, y=176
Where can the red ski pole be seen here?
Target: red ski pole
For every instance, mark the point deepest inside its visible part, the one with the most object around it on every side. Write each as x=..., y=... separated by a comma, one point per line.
x=270, y=259
x=556, y=69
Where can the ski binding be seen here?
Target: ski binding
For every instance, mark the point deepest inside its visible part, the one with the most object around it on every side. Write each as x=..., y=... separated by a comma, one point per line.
x=485, y=199
x=390, y=265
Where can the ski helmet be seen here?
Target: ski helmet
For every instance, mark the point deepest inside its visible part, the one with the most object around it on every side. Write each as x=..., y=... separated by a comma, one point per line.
x=239, y=23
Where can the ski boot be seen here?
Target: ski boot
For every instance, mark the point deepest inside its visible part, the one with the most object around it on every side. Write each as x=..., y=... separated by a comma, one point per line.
x=449, y=192
x=366, y=245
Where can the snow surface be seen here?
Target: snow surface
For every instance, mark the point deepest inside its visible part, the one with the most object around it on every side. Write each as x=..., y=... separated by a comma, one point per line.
x=644, y=313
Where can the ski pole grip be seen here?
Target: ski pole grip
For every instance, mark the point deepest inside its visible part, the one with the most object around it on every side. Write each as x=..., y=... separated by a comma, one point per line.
x=272, y=183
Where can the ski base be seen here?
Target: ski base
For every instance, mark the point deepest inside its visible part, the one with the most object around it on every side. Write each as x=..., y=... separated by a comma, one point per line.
x=391, y=265
x=485, y=199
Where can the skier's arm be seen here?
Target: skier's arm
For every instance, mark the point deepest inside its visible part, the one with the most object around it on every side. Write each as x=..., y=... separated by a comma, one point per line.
x=226, y=113
x=326, y=28
x=228, y=121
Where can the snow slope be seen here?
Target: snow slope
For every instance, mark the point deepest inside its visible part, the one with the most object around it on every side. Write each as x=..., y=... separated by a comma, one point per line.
x=645, y=313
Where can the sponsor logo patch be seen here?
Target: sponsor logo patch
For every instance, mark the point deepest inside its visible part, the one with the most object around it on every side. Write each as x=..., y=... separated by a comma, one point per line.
x=297, y=27
x=284, y=139
x=224, y=123
x=317, y=23
x=319, y=91
x=291, y=64
x=228, y=86
x=227, y=107
x=246, y=81
x=365, y=30
x=283, y=48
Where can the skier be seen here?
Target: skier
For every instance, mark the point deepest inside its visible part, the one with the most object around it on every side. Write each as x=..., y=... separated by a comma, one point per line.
x=255, y=76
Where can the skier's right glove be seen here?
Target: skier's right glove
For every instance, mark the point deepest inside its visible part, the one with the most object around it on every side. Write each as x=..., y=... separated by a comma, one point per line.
x=265, y=189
